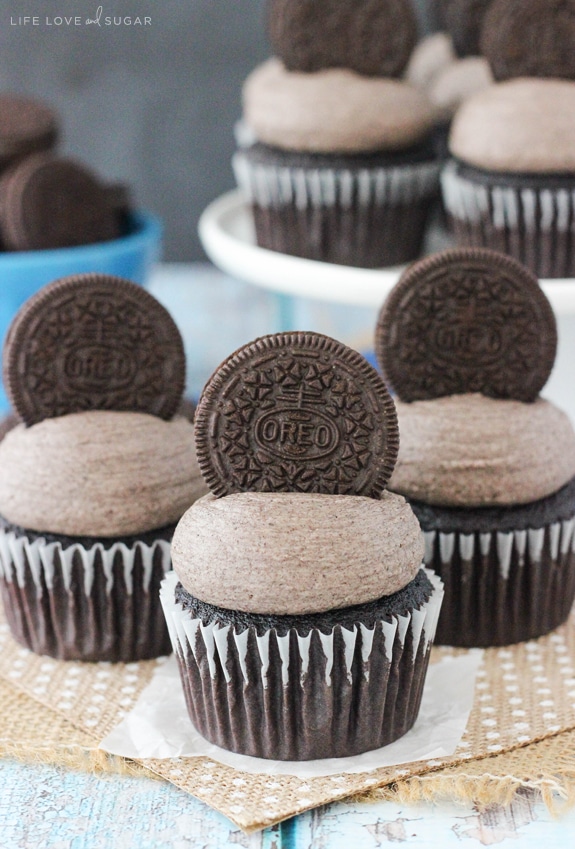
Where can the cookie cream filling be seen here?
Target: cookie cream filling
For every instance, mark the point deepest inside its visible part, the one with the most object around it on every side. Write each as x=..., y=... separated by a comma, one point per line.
x=473, y=451
x=99, y=473
x=295, y=553
x=333, y=111
x=523, y=126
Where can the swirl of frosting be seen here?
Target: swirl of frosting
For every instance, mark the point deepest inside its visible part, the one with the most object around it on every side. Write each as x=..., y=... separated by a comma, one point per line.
x=473, y=451
x=333, y=111
x=294, y=553
x=523, y=126
x=99, y=473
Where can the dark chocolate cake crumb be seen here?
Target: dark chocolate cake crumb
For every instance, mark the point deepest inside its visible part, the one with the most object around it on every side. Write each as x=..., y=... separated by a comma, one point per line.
x=558, y=507
x=264, y=154
x=411, y=597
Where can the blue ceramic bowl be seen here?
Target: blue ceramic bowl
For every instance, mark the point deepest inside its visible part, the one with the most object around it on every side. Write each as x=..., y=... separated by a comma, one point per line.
x=22, y=273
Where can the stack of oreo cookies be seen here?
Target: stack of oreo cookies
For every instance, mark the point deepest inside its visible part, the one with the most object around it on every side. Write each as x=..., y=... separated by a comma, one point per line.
x=299, y=612
x=47, y=201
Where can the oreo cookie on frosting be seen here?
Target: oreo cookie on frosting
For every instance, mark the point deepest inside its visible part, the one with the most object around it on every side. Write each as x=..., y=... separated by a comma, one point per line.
x=93, y=342
x=530, y=38
x=299, y=554
x=296, y=412
x=96, y=472
x=467, y=338
x=343, y=167
x=467, y=320
x=370, y=37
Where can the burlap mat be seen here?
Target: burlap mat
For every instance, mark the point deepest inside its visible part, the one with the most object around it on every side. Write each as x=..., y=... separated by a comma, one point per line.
x=524, y=694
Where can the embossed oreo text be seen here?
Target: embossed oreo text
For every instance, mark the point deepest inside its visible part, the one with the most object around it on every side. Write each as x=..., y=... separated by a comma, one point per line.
x=463, y=321
x=93, y=342
x=98, y=367
x=482, y=342
x=296, y=433
x=296, y=412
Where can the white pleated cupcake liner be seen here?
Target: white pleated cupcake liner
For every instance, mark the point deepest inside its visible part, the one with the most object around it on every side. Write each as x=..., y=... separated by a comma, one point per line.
x=277, y=186
x=85, y=603
x=503, y=587
x=296, y=697
x=528, y=543
x=536, y=209
x=536, y=225
x=22, y=558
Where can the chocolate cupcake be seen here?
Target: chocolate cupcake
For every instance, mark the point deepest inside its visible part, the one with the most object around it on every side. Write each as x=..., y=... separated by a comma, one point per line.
x=509, y=185
x=299, y=612
x=96, y=474
x=467, y=339
x=343, y=169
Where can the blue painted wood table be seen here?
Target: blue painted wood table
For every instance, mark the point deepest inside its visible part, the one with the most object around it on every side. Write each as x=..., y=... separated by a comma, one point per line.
x=44, y=807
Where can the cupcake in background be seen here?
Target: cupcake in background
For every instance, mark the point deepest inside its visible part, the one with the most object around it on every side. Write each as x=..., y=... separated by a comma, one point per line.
x=343, y=168
x=510, y=182
x=447, y=81
x=299, y=613
x=467, y=339
x=96, y=474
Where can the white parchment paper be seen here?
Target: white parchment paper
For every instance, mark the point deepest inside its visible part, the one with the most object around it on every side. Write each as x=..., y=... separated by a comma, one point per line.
x=159, y=726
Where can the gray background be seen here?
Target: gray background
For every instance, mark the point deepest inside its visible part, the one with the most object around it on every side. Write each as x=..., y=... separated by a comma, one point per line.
x=151, y=106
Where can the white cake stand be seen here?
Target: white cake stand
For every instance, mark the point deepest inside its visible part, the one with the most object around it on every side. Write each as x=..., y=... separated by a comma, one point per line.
x=227, y=233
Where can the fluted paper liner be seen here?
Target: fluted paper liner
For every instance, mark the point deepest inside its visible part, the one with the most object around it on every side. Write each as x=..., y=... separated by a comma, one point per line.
x=272, y=185
x=534, y=225
x=503, y=587
x=77, y=603
x=295, y=697
x=368, y=217
x=524, y=693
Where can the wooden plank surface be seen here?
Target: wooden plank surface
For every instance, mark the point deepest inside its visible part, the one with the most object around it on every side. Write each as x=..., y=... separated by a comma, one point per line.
x=43, y=807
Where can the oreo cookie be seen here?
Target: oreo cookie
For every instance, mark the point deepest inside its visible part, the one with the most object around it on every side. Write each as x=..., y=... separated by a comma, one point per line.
x=50, y=202
x=466, y=320
x=530, y=38
x=93, y=342
x=296, y=412
x=26, y=126
x=463, y=20
x=370, y=37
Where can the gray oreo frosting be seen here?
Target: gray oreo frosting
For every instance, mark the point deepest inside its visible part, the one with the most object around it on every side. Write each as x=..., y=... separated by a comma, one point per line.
x=99, y=473
x=295, y=553
x=473, y=451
